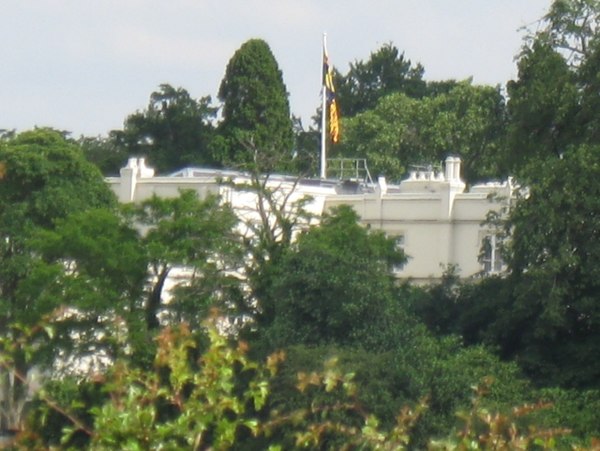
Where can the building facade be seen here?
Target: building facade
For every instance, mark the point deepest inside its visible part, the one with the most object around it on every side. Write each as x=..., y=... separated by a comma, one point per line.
x=433, y=217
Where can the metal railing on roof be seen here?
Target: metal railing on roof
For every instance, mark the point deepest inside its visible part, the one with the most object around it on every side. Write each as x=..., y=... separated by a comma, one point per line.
x=354, y=169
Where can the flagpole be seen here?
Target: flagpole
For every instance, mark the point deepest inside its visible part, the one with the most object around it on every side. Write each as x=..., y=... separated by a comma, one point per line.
x=323, y=113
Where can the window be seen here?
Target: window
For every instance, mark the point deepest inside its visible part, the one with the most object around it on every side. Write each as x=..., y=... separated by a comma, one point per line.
x=399, y=244
x=491, y=255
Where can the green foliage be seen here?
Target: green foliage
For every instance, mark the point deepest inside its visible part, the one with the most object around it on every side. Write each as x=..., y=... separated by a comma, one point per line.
x=572, y=26
x=577, y=410
x=223, y=399
x=482, y=429
x=66, y=257
x=305, y=159
x=467, y=120
x=17, y=352
x=100, y=249
x=182, y=403
x=544, y=314
x=267, y=233
x=189, y=232
x=415, y=371
x=385, y=136
x=105, y=152
x=255, y=110
x=386, y=71
x=588, y=116
x=93, y=268
x=553, y=104
x=554, y=257
x=332, y=285
x=59, y=405
x=44, y=179
x=175, y=130
x=541, y=108
x=479, y=311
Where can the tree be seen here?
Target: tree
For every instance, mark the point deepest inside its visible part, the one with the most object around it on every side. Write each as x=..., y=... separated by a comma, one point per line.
x=333, y=286
x=44, y=179
x=544, y=313
x=92, y=268
x=553, y=103
x=587, y=117
x=255, y=108
x=541, y=107
x=572, y=25
x=174, y=131
x=305, y=158
x=219, y=398
x=554, y=259
x=188, y=233
x=386, y=71
x=385, y=136
x=468, y=120
x=401, y=131
x=105, y=152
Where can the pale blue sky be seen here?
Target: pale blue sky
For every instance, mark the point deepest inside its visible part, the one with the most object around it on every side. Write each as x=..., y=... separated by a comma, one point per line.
x=84, y=65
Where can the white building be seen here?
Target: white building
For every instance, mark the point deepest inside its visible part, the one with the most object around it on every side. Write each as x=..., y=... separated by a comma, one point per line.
x=436, y=221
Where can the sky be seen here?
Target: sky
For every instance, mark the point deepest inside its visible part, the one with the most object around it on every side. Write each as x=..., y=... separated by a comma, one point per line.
x=84, y=65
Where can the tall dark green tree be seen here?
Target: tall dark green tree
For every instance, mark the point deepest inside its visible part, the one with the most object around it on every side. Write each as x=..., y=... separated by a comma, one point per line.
x=545, y=313
x=255, y=109
x=553, y=103
x=542, y=106
x=588, y=80
x=555, y=261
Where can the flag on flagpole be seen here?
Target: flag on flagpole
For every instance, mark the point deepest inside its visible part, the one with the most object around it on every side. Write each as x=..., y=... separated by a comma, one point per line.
x=331, y=103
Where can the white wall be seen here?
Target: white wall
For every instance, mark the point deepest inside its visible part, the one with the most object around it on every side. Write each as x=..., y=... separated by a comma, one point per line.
x=440, y=221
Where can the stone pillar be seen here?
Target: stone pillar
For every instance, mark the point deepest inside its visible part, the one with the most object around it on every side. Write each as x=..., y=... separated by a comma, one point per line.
x=128, y=180
x=449, y=168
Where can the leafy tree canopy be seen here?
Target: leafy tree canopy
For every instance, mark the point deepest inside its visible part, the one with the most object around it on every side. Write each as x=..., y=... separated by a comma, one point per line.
x=193, y=233
x=542, y=107
x=553, y=105
x=554, y=259
x=385, y=72
x=468, y=120
x=92, y=268
x=174, y=131
x=44, y=178
x=333, y=285
x=544, y=314
x=571, y=26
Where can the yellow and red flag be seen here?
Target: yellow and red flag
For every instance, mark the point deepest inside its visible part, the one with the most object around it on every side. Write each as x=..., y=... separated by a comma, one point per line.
x=331, y=103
